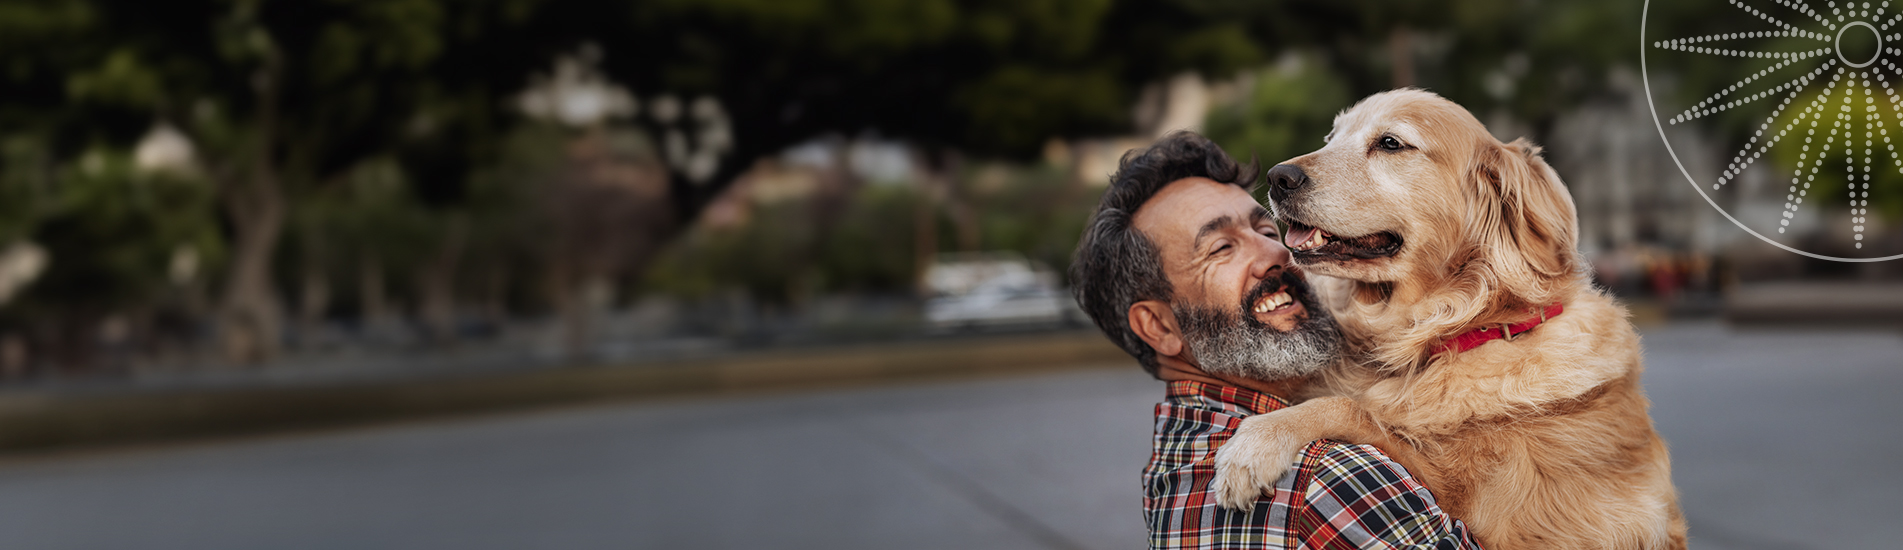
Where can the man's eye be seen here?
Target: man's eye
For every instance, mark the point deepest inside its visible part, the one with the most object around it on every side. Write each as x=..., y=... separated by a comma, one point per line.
x=1389, y=143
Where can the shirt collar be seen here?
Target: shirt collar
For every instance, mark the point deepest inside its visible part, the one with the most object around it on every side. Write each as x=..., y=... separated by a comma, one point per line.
x=1247, y=400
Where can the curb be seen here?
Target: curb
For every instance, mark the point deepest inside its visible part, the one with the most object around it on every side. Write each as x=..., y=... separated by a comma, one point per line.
x=39, y=422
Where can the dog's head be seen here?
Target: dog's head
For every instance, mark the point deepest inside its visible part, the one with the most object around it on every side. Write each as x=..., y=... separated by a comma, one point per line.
x=1412, y=196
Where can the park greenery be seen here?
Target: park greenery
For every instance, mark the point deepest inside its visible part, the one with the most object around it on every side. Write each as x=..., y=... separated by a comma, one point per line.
x=372, y=161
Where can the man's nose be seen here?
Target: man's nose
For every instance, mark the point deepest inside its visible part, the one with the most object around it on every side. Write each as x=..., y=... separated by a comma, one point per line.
x=1271, y=256
x=1284, y=179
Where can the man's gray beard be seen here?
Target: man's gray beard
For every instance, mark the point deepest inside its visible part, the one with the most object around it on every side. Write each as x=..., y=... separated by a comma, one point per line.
x=1237, y=345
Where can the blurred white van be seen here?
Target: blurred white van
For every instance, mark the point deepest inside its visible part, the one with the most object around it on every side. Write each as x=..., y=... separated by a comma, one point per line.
x=981, y=289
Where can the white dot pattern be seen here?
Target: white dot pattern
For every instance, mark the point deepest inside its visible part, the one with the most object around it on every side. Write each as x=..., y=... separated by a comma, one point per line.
x=1826, y=123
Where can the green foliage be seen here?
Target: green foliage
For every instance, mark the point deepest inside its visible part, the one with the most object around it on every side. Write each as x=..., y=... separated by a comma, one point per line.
x=121, y=80
x=1285, y=114
x=769, y=257
x=871, y=248
x=1037, y=211
x=26, y=170
x=1217, y=49
x=778, y=255
x=783, y=253
x=111, y=234
x=376, y=34
x=1019, y=107
x=839, y=27
x=369, y=215
x=990, y=77
x=387, y=125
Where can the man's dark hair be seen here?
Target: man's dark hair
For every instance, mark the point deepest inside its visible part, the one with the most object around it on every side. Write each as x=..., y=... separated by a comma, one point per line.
x=1115, y=265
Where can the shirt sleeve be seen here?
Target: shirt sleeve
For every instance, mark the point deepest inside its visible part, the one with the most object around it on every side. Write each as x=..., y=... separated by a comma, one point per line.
x=1357, y=497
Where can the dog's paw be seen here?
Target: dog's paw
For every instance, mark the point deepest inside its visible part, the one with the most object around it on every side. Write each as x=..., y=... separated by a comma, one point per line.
x=1248, y=466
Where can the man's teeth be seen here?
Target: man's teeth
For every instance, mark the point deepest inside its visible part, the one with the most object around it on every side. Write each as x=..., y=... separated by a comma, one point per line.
x=1273, y=302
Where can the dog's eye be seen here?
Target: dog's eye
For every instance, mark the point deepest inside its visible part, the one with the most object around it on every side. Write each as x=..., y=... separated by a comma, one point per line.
x=1389, y=143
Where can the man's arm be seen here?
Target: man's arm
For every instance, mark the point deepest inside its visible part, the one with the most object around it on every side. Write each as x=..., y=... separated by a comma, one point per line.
x=1355, y=497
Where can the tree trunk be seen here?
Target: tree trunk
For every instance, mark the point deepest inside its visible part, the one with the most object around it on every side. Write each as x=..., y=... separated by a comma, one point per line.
x=609, y=217
x=959, y=203
x=925, y=228
x=494, y=307
x=1401, y=56
x=373, y=307
x=251, y=320
x=437, y=285
x=567, y=287
x=313, y=300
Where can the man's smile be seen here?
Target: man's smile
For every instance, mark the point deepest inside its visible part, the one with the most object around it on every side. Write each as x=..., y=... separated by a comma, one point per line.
x=1281, y=315
x=1277, y=309
x=1273, y=301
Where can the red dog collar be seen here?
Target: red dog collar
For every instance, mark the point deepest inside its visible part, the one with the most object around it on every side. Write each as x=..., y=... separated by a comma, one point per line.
x=1474, y=338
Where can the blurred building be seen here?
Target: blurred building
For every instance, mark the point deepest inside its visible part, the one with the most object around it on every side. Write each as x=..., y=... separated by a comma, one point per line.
x=1637, y=217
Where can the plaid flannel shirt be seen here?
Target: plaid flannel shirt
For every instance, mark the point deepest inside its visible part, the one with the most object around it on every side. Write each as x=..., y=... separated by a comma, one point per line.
x=1338, y=496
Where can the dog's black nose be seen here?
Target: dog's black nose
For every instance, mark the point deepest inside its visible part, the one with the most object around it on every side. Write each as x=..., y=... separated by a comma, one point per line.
x=1285, y=179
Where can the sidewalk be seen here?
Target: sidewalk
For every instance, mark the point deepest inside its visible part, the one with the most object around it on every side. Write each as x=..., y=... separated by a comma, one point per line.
x=1855, y=304
x=40, y=420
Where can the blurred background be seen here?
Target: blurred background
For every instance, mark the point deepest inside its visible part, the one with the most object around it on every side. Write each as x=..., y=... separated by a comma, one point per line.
x=237, y=217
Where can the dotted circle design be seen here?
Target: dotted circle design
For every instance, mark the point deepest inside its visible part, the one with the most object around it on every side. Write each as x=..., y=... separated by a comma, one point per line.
x=1844, y=123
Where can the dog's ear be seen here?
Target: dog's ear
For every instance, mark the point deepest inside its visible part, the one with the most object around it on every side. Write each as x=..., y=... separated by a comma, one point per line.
x=1525, y=223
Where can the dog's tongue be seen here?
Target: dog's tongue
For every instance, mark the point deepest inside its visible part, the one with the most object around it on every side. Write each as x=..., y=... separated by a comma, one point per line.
x=1297, y=235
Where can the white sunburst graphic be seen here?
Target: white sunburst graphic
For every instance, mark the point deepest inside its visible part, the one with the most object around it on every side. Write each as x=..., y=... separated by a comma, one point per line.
x=1802, y=89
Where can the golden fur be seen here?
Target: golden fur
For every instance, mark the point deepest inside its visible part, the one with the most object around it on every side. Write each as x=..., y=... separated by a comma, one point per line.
x=1542, y=441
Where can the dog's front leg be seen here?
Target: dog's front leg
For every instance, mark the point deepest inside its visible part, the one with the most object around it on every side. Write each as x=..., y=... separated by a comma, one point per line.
x=1265, y=445
x=1262, y=450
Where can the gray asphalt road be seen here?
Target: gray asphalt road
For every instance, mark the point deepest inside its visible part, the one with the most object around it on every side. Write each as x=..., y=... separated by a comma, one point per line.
x=1779, y=440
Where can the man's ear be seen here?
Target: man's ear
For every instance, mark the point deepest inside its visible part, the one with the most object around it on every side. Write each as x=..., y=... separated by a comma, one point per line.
x=1155, y=323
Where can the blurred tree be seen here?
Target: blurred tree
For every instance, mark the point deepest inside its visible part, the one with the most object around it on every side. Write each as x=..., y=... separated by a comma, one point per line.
x=275, y=95
x=1035, y=211
x=747, y=78
x=1287, y=110
x=115, y=237
x=362, y=228
x=268, y=92
x=1529, y=60
x=292, y=94
x=285, y=98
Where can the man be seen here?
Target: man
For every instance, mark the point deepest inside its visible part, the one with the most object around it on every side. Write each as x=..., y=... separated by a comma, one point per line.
x=1184, y=270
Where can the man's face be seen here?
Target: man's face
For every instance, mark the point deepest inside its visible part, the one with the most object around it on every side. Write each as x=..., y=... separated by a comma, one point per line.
x=1242, y=308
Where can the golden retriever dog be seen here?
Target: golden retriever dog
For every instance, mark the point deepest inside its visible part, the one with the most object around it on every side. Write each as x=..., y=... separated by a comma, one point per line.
x=1423, y=233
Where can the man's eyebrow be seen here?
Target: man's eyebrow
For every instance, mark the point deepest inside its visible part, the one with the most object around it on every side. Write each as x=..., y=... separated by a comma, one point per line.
x=1213, y=226
x=1258, y=214
x=1225, y=222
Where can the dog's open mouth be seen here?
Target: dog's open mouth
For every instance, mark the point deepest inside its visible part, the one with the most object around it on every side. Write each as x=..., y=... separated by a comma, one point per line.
x=1312, y=243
